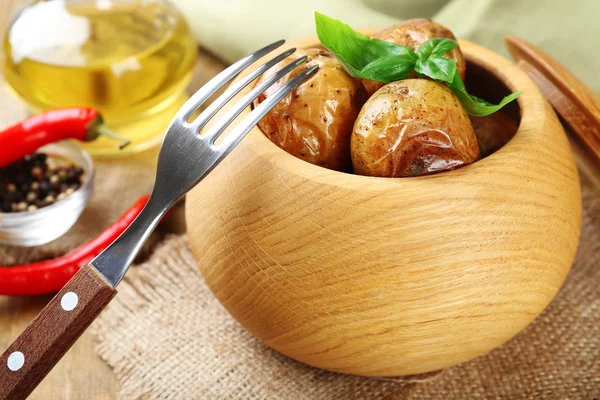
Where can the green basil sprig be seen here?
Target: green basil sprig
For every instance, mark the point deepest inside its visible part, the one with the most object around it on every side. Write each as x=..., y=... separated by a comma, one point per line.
x=368, y=58
x=356, y=51
x=474, y=105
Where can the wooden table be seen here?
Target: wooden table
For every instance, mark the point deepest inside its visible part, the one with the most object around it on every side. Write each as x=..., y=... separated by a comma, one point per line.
x=81, y=374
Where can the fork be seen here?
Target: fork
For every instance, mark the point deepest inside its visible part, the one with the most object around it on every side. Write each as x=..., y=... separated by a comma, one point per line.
x=185, y=158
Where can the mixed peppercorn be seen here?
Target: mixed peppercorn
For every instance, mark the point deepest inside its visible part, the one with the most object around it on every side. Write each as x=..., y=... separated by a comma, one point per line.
x=37, y=181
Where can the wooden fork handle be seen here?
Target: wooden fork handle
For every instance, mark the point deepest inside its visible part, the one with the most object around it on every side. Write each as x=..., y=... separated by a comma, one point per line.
x=58, y=326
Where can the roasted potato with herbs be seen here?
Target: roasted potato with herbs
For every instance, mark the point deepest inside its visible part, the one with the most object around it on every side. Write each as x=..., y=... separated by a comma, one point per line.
x=315, y=121
x=412, y=33
x=410, y=128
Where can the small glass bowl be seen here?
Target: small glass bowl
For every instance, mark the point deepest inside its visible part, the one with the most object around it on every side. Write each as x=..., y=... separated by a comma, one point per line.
x=33, y=228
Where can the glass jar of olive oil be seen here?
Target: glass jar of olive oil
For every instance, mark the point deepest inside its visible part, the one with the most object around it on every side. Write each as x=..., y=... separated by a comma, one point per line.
x=131, y=59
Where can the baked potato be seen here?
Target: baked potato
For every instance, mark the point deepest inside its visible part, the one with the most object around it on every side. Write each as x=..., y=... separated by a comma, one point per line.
x=493, y=131
x=412, y=33
x=412, y=127
x=315, y=121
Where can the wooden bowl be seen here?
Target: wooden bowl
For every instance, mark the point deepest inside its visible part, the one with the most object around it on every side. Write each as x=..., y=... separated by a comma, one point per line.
x=384, y=276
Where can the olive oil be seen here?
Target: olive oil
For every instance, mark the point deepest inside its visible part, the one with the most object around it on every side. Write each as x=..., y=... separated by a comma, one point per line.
x=131, y=59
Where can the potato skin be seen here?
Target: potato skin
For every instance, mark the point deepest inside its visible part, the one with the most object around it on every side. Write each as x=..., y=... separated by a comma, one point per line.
x=410, y=128
x=412, y=33
x=315, y=121
x=493, y=131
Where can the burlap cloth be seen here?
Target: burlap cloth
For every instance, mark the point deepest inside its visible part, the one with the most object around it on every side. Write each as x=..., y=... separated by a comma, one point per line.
x=167, y=337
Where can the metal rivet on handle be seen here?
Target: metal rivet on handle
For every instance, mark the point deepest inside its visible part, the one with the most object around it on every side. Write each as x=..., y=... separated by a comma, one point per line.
x=15, y=361
x=69, y=301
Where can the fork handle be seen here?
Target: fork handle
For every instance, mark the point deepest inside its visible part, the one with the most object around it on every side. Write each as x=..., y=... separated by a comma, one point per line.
x=52, y=333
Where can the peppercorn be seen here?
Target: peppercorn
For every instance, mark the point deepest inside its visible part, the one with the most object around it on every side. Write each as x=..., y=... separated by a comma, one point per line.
x=36, y=181
x=37, y=173
x=44, y=188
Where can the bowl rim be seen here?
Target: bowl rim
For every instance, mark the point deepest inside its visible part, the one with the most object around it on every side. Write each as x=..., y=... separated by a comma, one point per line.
x=40, y=213
x=530, y=103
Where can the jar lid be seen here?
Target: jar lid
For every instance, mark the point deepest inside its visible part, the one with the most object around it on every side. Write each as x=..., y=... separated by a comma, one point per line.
x=573, y=100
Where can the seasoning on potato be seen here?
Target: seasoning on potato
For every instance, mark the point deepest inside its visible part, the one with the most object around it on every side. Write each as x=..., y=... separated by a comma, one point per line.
x=412, y=33
x=410, y=128
x=315, y=121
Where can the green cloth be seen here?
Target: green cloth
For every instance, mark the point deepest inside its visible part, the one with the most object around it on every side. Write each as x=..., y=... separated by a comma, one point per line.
x=569, y=30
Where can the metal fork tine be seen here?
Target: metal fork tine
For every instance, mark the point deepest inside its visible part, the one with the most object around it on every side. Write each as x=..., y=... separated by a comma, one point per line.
x=212, y=109
x=240, y=131
x=221, y=79
x=241, y=105
x=185, y=159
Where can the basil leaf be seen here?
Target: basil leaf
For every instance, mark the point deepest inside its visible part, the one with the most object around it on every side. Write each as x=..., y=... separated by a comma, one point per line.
x=474, y=105
x=353, y=72
x=353, y=49
x=436, y=47
x=439, y=68
x=377, y=60
x=457, y=82
x=389, y=69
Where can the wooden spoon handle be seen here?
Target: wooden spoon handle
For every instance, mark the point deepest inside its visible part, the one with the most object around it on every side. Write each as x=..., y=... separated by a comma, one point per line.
x=58, y=326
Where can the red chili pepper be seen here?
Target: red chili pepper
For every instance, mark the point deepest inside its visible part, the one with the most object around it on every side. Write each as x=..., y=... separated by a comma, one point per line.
x=24, y=138
x=51, y=275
